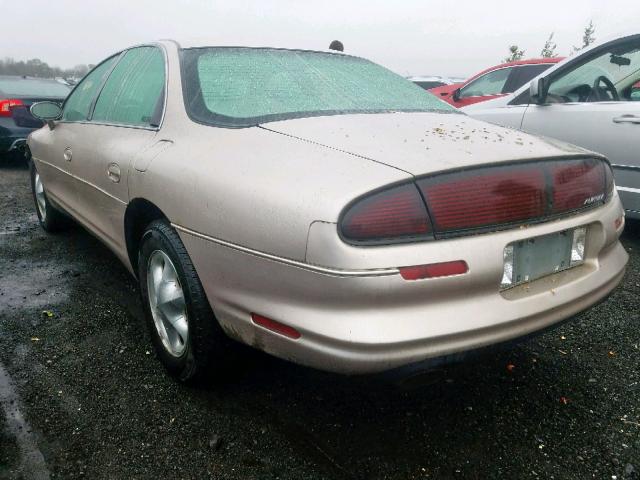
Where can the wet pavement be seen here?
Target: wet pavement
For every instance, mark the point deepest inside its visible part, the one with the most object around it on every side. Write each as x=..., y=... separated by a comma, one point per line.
x=82, y=394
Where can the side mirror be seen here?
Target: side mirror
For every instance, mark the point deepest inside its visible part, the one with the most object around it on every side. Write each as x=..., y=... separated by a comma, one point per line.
x=46, y=111
x=538, y=90
x=456, y=95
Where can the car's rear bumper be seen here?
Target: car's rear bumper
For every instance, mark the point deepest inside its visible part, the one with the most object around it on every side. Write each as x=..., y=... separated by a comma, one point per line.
x=13, y=137
x=360, y=323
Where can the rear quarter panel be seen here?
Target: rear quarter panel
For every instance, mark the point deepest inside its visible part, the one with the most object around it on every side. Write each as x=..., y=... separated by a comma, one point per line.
x=255, y=188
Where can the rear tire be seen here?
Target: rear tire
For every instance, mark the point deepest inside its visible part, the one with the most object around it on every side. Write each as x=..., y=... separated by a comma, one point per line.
x=183, y=328
x=51, y=219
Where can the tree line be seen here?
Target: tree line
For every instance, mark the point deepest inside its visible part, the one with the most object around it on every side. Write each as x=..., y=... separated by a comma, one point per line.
x=37, y=68
x=549, y=48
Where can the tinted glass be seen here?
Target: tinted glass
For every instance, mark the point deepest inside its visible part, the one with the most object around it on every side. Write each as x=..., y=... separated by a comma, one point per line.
x=78, y=104
x=491, y=83
x=134, y=89
x=524, y=74
x=32, y=87
x=428, y=84
x=247, y=86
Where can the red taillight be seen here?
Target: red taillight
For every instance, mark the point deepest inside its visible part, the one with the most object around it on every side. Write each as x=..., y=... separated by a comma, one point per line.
x=497, y=195
x=478, y=199
x=577, y=184
x=6, y=105
x=395, y=213
x=434, y=270
x=275, y=326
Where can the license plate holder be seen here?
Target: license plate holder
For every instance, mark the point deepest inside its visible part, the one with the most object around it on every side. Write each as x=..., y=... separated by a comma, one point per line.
x=537, y=257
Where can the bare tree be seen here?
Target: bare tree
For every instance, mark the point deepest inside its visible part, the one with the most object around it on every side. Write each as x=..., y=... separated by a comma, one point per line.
x=549, y=49
x=514, y=54
x=587, y=37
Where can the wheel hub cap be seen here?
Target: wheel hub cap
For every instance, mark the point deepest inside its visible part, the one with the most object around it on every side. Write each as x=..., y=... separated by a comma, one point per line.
x=167, y=303
x=41, y=200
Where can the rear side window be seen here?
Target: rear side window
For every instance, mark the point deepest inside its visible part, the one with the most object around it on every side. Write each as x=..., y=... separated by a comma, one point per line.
x=524, y=74
x=77, y=106
x=133, y=93
x=491, y=83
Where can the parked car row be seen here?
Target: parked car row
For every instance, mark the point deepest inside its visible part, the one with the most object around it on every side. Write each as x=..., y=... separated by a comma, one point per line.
x=357, y=231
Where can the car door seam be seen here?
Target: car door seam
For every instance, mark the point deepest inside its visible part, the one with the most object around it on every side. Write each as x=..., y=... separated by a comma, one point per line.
x=75, y=177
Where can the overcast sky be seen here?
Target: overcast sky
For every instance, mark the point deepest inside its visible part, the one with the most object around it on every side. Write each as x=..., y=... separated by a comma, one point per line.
x=409, y=36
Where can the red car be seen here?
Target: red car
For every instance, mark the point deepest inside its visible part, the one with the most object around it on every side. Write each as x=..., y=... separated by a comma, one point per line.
x=493, y=82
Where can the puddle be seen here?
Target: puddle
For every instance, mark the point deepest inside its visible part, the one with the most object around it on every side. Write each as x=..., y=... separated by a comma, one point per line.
x=32, y=463
x=37, y=284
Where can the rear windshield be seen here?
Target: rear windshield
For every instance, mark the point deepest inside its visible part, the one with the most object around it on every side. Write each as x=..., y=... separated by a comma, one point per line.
x=30, y=87
x=240, y=87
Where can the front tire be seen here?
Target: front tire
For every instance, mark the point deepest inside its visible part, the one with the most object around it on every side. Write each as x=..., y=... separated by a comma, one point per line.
x=183, y=328
x=50, y=218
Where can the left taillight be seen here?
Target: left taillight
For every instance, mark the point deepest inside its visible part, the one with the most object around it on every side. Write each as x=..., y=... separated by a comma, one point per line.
x=394, y=214
x=7, y=104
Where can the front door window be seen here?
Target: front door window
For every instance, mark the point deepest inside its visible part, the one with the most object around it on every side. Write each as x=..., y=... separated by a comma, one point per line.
x=611, y=75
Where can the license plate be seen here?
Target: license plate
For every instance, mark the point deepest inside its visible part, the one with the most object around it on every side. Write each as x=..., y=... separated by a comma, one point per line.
x=533, y=258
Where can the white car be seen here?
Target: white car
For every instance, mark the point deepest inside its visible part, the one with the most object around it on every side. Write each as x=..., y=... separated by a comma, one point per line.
x=434, y=81
x=592, y=100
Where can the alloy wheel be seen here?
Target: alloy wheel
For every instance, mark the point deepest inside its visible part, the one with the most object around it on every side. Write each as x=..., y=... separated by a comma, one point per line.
x=41, y=199
x=167, y=303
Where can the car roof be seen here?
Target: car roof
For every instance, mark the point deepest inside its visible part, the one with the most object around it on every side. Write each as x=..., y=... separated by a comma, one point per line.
x=216, y=43
x=31, y=87
x=433, y=78
x=30, y=78
x=530, y=61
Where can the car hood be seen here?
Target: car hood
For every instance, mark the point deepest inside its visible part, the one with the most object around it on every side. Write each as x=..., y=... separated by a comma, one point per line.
x=420, y=143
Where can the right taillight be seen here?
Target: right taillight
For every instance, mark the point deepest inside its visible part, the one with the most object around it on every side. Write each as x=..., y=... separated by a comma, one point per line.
x=7, y=105
x=395, y=214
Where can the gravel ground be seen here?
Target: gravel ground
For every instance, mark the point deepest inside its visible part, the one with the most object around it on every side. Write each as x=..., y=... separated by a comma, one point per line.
x=98, y=405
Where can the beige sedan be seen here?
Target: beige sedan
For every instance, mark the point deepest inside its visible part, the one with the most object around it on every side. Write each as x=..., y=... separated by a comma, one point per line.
x=321, y=208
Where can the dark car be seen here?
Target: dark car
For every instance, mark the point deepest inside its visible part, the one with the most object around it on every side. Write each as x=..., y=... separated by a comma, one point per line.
x=17, y=93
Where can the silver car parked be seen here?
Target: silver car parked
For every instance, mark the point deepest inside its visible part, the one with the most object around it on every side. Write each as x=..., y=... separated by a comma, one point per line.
x=591, y=99
x=320, y=207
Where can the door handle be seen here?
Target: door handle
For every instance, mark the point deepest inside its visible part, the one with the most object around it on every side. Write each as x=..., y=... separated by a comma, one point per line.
x=67, y=154
x=113, y=172
x=627, y=119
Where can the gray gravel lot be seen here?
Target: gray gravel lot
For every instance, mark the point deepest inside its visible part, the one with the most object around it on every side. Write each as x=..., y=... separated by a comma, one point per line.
x=98, y=404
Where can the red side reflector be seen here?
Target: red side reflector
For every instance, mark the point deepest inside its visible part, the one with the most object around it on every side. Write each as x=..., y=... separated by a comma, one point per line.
x=434, y=270
x=274, y=326
x=5, y=106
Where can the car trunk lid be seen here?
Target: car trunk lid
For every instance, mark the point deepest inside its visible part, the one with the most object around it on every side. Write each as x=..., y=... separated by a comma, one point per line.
x=421, y=143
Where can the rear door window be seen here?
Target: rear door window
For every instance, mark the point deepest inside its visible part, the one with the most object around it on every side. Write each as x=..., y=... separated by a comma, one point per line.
x=78, y=104
x=491, y=83
x=523, y=74
x=133, y=94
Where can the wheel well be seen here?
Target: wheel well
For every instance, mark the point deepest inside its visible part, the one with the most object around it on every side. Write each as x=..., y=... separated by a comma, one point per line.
x=139, y=214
